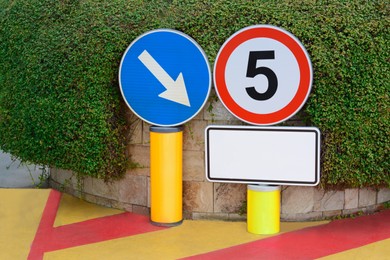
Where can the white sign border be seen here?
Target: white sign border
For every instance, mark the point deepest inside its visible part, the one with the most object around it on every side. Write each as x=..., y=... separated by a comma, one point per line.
x=228, y=107
x=264, y=128
x=202, y=52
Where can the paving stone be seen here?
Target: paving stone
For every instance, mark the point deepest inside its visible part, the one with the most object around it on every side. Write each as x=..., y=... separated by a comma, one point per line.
x=297, y=200
x=136, y=131
x=103, y=189
x=148, y=191
x=141, y=210
x=367, y=197
x=65, y=177
x=229, y=197
x=193, y=136
x=210, y=216
x=143, y=171
x=301, y=216
x=193, y=166
x=332, y=213
x=126, y=207
x=383, y=195
x=329, y=201
x=88, y=185
x=351, y=198
x=218, y=111
x=197, y=196
x=351, y=211
x=133, y=190
x=236, y=217
x=200, y=115
x=145, y=133
x=140, y=155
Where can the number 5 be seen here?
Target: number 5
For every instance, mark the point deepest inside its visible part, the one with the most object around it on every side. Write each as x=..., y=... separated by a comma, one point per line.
x=253, y=71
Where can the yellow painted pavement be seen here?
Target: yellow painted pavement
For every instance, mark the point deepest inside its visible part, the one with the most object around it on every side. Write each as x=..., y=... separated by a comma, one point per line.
x=20, y=214
x=190, y=238
x=73, y=210
x=21, y=211
x=375, y=251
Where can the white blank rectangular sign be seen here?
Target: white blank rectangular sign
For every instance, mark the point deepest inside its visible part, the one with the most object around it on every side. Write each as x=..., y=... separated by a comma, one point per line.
x=263, y=155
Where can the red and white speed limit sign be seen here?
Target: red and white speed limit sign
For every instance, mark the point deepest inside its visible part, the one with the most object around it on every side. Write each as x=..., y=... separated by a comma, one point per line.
x=263, y=75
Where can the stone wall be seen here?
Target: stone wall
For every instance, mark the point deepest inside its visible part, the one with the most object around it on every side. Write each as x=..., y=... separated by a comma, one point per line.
x=308, y=203
x=202, y=199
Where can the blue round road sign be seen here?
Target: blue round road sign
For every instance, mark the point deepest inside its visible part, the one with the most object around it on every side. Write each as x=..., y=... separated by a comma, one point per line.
x=165, y=77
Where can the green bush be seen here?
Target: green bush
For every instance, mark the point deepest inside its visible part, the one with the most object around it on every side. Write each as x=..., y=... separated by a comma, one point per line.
x=59, y=100
x=348, y=42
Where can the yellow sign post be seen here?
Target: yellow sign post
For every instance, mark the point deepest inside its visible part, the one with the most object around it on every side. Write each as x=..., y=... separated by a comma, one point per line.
x=166, y=188
x=263, y=209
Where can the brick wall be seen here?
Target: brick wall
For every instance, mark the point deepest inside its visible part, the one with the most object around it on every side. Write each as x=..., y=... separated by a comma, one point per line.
x=202, y=199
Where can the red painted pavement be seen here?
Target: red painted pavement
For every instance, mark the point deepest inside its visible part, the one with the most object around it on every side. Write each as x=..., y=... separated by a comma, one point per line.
x=311, y=243
x=49, y=238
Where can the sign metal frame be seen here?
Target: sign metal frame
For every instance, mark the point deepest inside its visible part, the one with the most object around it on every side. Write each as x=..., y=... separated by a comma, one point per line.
x=263, y=155
x=165, y=77
x=244, y=36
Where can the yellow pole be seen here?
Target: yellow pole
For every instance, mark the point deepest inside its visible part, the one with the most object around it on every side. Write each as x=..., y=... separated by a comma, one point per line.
x=263, y=209
x=166, y=186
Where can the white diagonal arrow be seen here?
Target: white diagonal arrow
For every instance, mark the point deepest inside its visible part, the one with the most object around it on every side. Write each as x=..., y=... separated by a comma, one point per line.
x=175, y=89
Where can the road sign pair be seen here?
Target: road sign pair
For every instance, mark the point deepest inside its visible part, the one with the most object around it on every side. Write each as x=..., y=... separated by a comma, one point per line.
x=262, y=75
